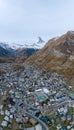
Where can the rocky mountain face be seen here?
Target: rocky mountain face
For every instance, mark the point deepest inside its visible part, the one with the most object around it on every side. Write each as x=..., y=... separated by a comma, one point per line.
x=5, y=50
x=18, y=55
x=57, y=55
x=7, y=54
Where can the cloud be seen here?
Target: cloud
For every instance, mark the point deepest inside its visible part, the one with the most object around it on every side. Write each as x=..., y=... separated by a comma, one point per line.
x=26, y=19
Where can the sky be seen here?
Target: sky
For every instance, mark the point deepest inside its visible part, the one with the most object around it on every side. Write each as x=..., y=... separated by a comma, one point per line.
x=25, y=20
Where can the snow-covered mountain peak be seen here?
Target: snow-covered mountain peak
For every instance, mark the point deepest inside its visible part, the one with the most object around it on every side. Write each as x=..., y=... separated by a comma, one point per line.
x=39, y=40
x=5, y=45
x=38, y=44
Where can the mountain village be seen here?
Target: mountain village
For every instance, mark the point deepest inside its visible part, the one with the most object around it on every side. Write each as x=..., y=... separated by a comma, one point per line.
x=34, y=99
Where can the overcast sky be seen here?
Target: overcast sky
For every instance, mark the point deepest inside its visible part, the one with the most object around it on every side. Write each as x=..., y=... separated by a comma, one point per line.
x=25, y=20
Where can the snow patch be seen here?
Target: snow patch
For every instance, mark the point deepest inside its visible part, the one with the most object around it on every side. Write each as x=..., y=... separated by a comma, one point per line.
x=57, y=53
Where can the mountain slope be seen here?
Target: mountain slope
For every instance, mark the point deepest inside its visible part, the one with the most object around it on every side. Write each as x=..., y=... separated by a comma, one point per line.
x=57, y=55
x=23, y=53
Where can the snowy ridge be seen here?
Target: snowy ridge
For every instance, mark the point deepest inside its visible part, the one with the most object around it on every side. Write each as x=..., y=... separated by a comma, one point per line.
x=5, y=45
x=36, y=45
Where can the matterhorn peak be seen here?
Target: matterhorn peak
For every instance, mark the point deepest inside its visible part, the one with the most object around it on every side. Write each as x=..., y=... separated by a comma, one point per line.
x=39, y=40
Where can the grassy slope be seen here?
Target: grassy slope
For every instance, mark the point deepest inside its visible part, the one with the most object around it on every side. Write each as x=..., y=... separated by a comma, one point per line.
x=62, y=64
